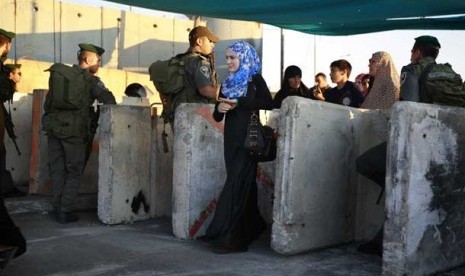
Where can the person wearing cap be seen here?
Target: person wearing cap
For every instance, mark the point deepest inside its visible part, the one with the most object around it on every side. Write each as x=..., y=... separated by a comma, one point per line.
x=199, y=68
x=425, y=51
x=14, y=74
x=291, y=85
x=70, y=134
x=12, y=242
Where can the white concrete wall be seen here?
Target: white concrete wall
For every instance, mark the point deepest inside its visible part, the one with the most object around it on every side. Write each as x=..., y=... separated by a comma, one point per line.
x=124, y=164
x=424, y=232
x=50, y=31
x=318, y=194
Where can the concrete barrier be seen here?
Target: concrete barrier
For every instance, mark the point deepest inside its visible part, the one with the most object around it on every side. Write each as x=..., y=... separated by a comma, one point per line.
x=124, y=187
x=425, y=231
x=199, y=171
x=21, y=115
x=320, y=199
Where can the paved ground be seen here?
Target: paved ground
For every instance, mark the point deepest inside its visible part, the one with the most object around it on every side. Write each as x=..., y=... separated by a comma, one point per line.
x=88, y=248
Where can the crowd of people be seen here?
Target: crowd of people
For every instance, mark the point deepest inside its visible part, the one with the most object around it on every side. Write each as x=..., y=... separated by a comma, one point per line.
x=237, y=221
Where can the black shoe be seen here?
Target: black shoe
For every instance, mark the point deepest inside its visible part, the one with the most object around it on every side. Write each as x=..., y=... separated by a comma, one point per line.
x=67, y=217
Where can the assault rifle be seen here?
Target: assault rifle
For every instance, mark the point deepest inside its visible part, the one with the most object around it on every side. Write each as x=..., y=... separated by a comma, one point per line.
x=94, y=116
x=9, y=127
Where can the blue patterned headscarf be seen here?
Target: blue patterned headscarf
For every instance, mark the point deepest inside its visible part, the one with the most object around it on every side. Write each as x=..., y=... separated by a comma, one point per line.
x=235, y=85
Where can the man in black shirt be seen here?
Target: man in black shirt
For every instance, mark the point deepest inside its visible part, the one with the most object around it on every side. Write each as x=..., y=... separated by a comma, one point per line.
x=345, y=93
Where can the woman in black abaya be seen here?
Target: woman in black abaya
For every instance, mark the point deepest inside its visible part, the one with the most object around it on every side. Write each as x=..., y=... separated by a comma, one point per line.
x=237, y=221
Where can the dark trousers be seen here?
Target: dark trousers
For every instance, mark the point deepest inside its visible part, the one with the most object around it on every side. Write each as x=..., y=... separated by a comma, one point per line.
x=372, y=164
x=10, y=235
x=66, y=164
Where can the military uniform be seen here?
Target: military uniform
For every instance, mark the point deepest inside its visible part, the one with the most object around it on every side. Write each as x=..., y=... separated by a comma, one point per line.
x=10, y=235
x=67, y=149
x=409, y=80
x=199, y=69
x=199, y=73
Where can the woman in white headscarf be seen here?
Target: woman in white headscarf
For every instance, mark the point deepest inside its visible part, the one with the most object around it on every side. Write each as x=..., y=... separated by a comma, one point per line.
x=237, y=221
x=386, y=82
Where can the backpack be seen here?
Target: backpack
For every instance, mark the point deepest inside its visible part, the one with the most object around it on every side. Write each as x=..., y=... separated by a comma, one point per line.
x=168, y=76
x=67, y=104
x=440, y=84
x=66, y=86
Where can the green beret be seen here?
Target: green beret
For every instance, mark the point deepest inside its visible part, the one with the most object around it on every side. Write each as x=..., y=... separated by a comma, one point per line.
x=428, y=40
x=12, y=66
x=10, y=35
x=91, y=48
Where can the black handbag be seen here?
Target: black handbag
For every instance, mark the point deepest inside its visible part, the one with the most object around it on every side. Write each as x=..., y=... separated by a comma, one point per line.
x=260, y=141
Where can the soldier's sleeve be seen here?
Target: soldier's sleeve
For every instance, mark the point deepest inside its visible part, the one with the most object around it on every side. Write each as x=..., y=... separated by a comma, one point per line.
x=101, y=92
x=409, y=86
x=203, y=73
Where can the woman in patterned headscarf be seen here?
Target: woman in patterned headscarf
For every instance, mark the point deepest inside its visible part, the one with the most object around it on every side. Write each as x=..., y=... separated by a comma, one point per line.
x=237, y=221
x=386, y=82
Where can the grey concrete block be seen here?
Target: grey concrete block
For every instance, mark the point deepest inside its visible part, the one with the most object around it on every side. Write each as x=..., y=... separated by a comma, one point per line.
x=199, y=171
x=124, y=164
x=316, y=196
x=424, y=231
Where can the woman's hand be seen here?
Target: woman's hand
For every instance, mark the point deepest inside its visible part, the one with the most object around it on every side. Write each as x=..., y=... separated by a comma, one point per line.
x=226, y=104
x=224, y=107
x=228, y=101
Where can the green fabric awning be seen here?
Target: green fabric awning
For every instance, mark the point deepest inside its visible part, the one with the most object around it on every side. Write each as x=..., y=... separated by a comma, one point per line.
x=325, y=17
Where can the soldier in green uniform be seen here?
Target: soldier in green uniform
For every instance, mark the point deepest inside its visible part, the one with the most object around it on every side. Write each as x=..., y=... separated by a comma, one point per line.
x=199, y=68
x=424, y=51
x=12, y=243
x=69, y=132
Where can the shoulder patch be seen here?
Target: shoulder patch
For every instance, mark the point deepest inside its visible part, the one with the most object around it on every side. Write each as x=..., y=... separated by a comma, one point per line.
x=346, y=101
x=205, y=70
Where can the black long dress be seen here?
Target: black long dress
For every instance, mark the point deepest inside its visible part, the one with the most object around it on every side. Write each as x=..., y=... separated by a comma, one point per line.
x=237, y=221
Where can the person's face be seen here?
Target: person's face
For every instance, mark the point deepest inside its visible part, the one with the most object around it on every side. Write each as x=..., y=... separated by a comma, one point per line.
x=294, y=82
x=373, y=66
x=206, y=45
x=366, y=84
x=337, y=75
x=414, y=55
x=320, y=82
x=232, y=61
x=15, y=75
